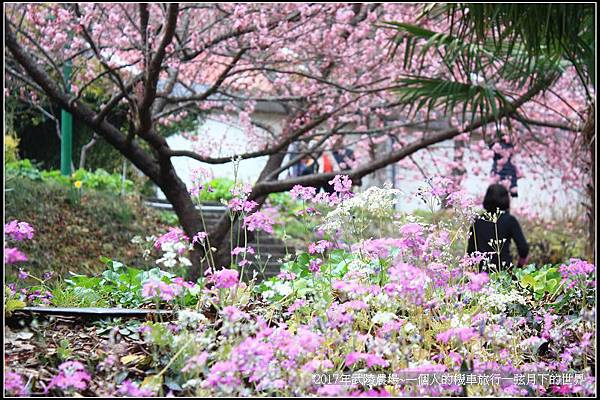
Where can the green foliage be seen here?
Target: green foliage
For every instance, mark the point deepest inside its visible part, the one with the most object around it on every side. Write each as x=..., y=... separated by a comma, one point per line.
x=11, y=303
x=98, y=180
x=168, y=218
x=306, y=283
x=84, y=295
x=547, y=288
x=64, y=350
x=295, y=230
x=421, y=92
x=118, y=286
x=541, y=281
x=11, y=148
x=564, y=29
x=471, y=91
x=527, y=45
x=217, y=189
x=23, y=168
x=552, y=242
x=119, y=283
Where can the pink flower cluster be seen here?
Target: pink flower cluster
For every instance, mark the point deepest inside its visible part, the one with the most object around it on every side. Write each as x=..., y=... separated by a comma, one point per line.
x=242, y=250
x=198, y=176
x=224, y=278
x=342, y=185
x=233, y=314
x=315, y=265
x=157, y=288
x=413, y=238
x=14, y=385
x=265, y=358
x=576, y=269
x=407, y=282
x=38, y=295
x=463, y=334
x=286, y=275
x=222, y=373
x=258, y=222
x=370, y=359
x=377, y=248
x=199, y=237
x=477, y=281
x=12, y=255
x=319, y=247
x=71, y=375
x=196, y=362
x=19, y=230
x=130, y=389
x=240, y=202
x=240, y=205
x=303, y=192
x=174, y=235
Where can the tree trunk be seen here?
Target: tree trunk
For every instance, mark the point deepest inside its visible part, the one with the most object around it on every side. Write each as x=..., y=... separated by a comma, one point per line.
x=220, y=232
x=589, y=133
x=189, y=218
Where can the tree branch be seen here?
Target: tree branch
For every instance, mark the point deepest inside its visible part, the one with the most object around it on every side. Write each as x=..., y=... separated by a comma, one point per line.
x=81, y=111
x=264, y=187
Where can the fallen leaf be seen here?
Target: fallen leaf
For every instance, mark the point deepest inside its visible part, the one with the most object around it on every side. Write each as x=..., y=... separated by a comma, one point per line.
x=132, y=359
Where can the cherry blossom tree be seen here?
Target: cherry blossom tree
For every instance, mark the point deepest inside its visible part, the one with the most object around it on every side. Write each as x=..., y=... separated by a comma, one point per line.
x=504, y=47
x=327, y=65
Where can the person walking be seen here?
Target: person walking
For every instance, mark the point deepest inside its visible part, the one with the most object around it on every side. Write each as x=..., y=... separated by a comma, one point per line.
x=485, y=232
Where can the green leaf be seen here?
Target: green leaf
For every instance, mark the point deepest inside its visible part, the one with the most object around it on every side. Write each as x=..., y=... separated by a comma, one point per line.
x=13, y=305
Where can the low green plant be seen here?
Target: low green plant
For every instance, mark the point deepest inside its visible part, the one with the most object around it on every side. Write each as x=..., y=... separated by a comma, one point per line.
x=307, y=283
x=99, y=179
x=119, y=285
x=66, y=295
x=11, y=148
x=541, y=282
x=64, y=350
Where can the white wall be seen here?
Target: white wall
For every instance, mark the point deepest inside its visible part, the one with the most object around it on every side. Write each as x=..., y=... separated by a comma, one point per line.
x=223, y=140
x=534, y=192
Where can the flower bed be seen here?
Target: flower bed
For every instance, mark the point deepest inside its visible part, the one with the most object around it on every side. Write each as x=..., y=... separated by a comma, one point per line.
x=406, y=312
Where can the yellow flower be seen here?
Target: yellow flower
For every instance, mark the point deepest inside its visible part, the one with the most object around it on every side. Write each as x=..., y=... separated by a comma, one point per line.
x=78, y=184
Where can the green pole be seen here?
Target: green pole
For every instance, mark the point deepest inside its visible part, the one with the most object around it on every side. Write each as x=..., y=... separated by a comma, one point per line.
x=66, y=128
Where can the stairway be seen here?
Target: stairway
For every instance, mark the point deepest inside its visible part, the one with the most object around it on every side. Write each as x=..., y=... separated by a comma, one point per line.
x=272, y=249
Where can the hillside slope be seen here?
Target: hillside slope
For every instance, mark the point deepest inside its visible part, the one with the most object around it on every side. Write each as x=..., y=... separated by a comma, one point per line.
x=72, y=234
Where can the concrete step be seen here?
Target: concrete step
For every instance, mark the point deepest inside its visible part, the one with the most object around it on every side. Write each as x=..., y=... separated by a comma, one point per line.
x=212, y=213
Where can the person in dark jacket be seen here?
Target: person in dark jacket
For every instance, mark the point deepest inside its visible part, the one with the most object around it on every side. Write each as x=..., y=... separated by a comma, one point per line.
x=506, y=227
x=508, y=171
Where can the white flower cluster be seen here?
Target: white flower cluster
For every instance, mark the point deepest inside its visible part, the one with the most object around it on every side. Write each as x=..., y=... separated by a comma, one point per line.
x=457, y=322
x=376, y=202
x=382, y=317
x=379, y=301
x=281, y=288
x=187, y=318
x=493, y=300
x=172, y=255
